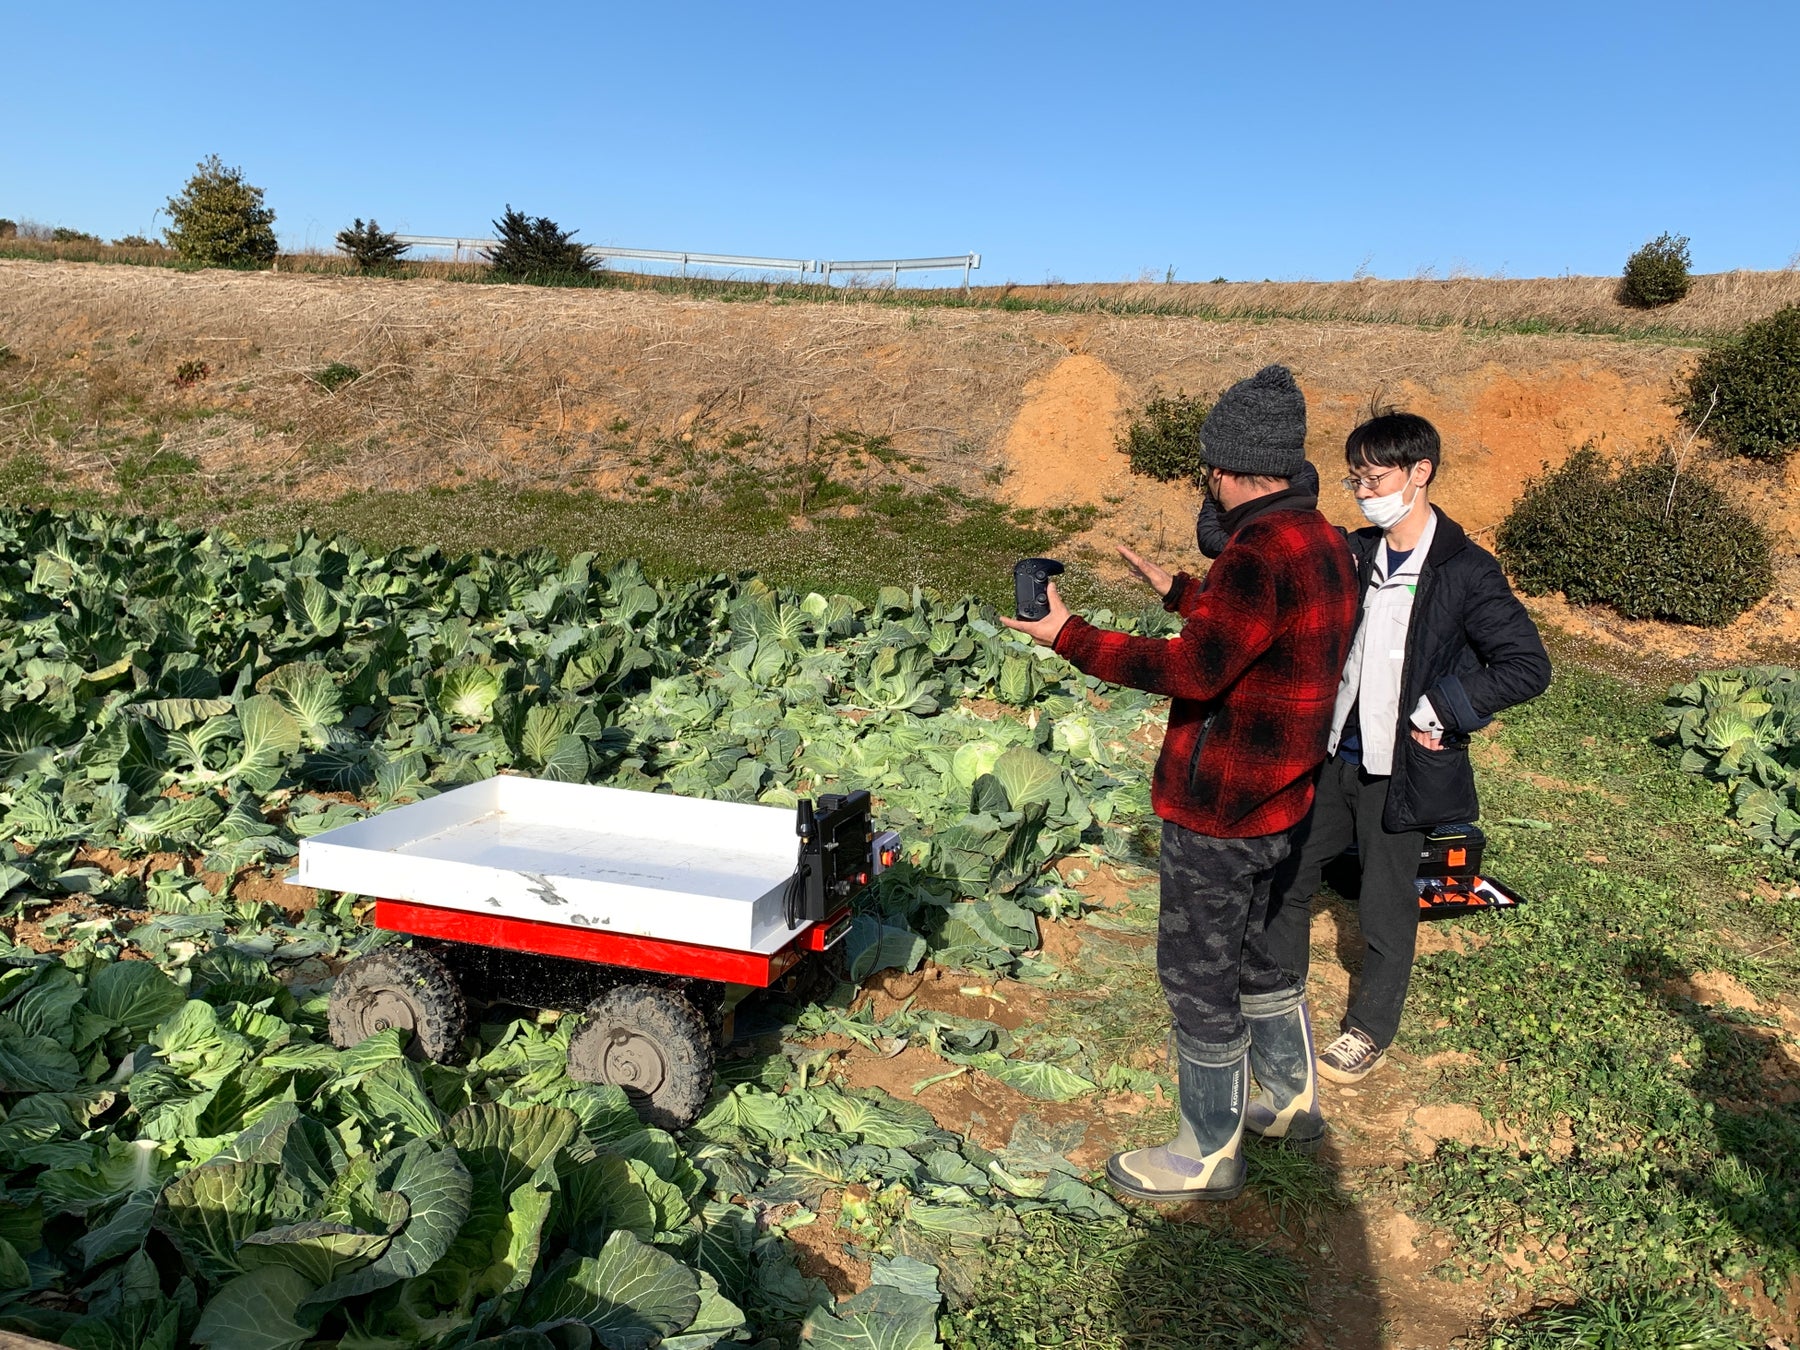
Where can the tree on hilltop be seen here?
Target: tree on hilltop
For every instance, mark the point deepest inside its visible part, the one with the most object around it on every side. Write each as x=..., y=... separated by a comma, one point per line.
x=219, y=220
x=536, y=248
x=369, y=246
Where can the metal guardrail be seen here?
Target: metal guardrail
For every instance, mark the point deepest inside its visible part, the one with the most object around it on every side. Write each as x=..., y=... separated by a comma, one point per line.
x=899, y=265
x=826, y=268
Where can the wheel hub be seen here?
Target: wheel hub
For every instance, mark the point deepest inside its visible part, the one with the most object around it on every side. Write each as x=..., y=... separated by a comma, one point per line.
x=384, y=1009
x=633, y=1061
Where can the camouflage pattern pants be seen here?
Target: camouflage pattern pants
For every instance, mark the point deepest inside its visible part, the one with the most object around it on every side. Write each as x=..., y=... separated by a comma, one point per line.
x=1211, y=944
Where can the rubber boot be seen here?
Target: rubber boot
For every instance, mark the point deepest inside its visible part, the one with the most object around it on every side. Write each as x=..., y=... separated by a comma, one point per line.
x=1285, y=1108
x=1205, y=1160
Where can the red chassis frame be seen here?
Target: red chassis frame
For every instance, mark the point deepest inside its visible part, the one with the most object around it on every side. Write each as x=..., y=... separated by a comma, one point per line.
x=611, y=949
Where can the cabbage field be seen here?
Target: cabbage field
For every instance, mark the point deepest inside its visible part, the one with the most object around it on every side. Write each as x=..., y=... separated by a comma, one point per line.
x=188, y=1159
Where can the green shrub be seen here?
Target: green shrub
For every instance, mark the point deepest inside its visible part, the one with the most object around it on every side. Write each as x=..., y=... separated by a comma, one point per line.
x=219, y=220
x=9, y=229
x=1657, y=274
x=536, y=248
x=335, y=376
x=135, y=241
x=1163, y=441
x=1647, y=539
x=369, y=246
x=63, y=235
x=1757, y=377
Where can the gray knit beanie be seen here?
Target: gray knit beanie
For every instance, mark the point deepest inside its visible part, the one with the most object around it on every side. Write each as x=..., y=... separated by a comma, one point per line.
x=1258, y=426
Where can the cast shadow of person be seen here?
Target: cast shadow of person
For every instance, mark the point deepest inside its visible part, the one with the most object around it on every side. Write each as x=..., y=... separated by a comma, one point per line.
x=1750, y=1078
x=1286, y=1263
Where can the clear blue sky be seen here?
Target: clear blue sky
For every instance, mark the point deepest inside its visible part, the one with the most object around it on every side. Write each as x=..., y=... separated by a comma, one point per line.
x=1085, y=142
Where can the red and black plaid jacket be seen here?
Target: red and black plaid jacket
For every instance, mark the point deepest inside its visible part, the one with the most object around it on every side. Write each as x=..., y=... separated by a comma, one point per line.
x=1253, y=674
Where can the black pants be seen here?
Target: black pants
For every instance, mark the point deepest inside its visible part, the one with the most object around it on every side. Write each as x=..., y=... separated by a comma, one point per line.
x=1211, y=940
x=1347, y=810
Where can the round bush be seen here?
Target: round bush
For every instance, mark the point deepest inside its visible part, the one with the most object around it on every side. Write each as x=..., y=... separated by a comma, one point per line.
x=1757, y=377
x=1614, y=535
x=1657, y=274
x=219, y=220
x=1163, y=441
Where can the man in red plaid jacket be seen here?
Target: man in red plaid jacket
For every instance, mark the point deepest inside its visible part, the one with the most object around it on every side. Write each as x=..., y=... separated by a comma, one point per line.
x=1253, y=676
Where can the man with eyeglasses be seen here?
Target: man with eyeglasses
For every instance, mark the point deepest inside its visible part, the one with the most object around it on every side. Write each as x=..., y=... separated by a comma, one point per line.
x=1442, y=645
x=1252, y=676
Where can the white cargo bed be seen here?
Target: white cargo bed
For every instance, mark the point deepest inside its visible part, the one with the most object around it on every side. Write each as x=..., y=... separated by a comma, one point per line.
x=639, y=863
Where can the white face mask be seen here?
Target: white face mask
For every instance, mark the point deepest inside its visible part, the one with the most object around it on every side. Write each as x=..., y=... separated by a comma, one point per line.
x=1386, y=512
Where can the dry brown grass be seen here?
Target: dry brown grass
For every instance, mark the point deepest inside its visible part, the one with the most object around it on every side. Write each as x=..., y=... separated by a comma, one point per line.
x=1718, y=303
x=514, y=383
x=525, y=384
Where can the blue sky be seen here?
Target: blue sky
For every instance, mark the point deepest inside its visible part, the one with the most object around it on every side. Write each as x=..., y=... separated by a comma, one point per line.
x=1078, y=142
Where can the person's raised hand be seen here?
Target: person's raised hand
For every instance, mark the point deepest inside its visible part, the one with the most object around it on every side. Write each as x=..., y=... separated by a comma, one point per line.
x=1145, y=570
x=1043, y=630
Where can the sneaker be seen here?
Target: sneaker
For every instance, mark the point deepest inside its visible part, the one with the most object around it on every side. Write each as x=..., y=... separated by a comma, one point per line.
x=1351, y=1058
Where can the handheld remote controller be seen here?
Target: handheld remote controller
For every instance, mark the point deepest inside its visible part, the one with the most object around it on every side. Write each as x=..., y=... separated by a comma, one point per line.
x=1031, y=598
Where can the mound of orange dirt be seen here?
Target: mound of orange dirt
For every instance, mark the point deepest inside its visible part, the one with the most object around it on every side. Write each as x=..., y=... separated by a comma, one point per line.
x=1502, y=423
x=1060, y=447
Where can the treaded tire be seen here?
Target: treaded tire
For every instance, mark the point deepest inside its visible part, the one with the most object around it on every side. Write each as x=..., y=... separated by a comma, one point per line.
x=400, y=987
x=652, y=1042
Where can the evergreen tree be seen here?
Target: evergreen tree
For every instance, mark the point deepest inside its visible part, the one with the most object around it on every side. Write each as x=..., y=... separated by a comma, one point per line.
x=536, y=249
x=219, y=220
x=370, y=247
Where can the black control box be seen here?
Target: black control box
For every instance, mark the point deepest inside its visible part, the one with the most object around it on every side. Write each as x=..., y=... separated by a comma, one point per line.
x=835, y=837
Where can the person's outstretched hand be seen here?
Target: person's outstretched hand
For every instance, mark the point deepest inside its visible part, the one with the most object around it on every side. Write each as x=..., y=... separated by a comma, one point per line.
x=1043, y=630
x=1159, y=580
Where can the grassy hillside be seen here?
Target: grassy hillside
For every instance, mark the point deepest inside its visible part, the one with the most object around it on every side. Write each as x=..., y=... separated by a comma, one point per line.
x=1719, y=302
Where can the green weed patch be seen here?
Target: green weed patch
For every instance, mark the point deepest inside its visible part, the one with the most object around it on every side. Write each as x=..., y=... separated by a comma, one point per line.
x=1650, y=1152
x=1099, y=1287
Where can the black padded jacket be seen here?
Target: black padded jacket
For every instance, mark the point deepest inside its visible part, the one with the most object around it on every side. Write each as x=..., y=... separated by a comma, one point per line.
x=1473, y=649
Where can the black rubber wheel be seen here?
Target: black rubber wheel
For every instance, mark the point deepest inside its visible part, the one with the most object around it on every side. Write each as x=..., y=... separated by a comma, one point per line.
x=653, y=1043
x=400, y=987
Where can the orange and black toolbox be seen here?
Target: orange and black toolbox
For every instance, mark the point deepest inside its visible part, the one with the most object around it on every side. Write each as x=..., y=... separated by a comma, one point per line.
x=1451, y=881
